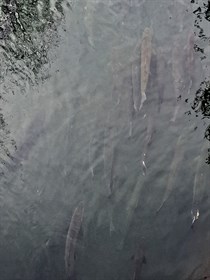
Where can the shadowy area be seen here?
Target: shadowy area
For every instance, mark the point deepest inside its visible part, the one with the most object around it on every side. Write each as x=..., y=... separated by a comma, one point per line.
x=28, y=29
x=201, y=103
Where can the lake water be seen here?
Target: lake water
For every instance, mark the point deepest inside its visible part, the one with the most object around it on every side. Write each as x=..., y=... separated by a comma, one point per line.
x=71, y=131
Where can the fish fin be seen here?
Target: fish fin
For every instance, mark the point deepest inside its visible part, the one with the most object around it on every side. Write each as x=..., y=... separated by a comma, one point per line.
x=144, y=260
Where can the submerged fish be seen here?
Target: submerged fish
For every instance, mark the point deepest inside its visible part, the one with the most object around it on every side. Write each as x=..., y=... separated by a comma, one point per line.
x=177, y=73
x=135, y=75
x=91, y=155
x=148, y=141
x=109, y=156
x=132, y=109
x=90, y=10
x=71, y=239
x=199, y=183
x=176, y=162
x=161, y=66
x=139, y=260
x=130, y=208
x=146, y=54
x=190, y=60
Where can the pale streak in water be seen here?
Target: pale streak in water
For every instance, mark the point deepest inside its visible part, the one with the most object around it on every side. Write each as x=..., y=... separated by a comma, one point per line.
x=135, y=75
x=148, y=141
x=91, y=156
x=146, y=54
x=32, y=135
x=131, y=108
x=175, y=164
x=71, y=239
x=109, y=156
x=90, y=9
x=199, y=183
x=177, y=73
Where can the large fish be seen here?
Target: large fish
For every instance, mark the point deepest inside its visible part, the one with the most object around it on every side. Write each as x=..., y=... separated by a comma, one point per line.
x=139, y=260
x=89, y=13
x=199, y=183
x=176, y=162
x=109, y=156
x=146, y=54
x=148, y=141
x=190, y=60
x=177, y=74
x=135, y=75
x=132, y=107
x=91, y=155
x=130, y=208
x=71, y=239
x=161, y=66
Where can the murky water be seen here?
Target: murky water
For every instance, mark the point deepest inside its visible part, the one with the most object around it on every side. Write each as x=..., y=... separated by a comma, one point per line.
x=71, y=131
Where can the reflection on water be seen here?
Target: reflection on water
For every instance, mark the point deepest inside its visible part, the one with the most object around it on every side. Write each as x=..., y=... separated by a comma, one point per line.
x=201, y=102
x=96, y=112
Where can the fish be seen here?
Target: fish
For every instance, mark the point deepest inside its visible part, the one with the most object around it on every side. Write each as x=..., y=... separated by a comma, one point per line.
x=135, y=75
x=71, y=239
x=199, y=183
x=190, y=59
x=109, y=156
x=89, y=13
x=148, y=141
x=32, y=134
x=91, y=155
x=176, y=162
x=139, y=259
x=132, y=109
x=177, y=74
x=130, y=208
x=112, y=171
x=146, y=54
x=110, y=168
x=161, y=66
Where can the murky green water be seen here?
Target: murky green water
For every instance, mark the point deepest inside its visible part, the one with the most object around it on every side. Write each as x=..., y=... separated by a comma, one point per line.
x=71, y=131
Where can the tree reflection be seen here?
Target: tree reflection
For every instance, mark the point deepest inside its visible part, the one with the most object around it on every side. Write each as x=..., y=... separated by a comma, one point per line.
x=27, y=31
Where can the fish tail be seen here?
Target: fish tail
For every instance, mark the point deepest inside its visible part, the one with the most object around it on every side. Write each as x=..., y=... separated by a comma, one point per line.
x=143, y=99
x=135, y=107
